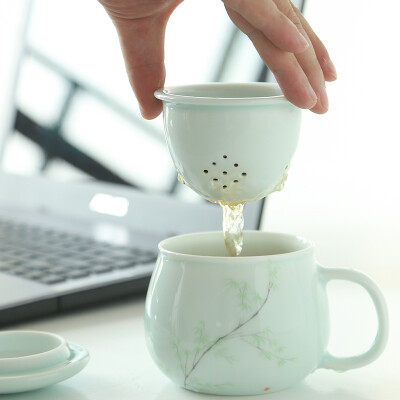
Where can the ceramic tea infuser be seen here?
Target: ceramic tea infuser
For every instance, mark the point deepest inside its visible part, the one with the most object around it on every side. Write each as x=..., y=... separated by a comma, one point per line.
x=230, y=142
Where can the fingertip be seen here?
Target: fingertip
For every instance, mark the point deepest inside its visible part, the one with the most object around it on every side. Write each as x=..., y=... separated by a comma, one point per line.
x=322, y=105
x=329, y=70
x=144, y=84
x=301, y=44
x=319, y=110
x=304, y=97
x=150, y=107
x=152, y=112
x=305, y=103
x=309, y=104
x=329, y=77
x=310, y=98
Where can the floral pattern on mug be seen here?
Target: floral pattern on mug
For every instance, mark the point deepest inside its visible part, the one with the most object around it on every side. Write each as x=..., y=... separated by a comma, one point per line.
x=265, y=341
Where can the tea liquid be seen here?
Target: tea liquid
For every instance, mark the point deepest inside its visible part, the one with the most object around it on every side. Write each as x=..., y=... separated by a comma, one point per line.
x=233, y=220
x=232, y=225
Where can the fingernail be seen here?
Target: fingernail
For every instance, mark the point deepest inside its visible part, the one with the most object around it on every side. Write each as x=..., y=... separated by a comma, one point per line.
x=302, y=41
x=311, y=94
x=323, y=98
x=331, y=68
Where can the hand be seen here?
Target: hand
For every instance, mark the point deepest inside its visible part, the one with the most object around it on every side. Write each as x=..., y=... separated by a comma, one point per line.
x=279, y=32
x=289, y=47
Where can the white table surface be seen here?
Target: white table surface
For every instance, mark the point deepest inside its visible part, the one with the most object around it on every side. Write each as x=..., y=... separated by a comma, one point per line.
x=121, y=368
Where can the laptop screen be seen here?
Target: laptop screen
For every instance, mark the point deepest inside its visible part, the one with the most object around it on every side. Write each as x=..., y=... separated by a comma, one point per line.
x=76, y=115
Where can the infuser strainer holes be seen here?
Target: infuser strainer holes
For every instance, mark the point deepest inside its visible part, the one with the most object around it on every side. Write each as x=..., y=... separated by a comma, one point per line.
x=236, y=165
x=214, y=163
x=225, y=156
x=224, y=187
x=244, y=174
x=224, y=172
x=215, y=180
x=235, y=181
x=206, y=171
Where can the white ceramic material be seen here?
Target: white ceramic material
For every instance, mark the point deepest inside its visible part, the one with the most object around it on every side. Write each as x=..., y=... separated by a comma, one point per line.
x=37, y=378
x=27, y=350
x=250, y=324
x=230, y=142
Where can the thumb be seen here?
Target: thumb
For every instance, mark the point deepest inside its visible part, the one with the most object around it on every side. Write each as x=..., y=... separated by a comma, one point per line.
x=142, y=43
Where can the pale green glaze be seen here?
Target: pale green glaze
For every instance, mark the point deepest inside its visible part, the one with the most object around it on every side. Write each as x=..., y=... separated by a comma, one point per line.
x=244, y=325
x=253, y=125
x=22, y=351
x=37, y=378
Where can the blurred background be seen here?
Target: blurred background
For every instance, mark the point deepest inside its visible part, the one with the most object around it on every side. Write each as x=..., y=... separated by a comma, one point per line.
x=343, y=187
x=77, y=116
x=78, y=119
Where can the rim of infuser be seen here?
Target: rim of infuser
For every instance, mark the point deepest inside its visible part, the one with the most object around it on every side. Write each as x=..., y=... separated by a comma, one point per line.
x=224, y=94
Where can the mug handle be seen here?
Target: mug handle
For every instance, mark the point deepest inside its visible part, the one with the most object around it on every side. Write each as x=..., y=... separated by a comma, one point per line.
x=344, y=363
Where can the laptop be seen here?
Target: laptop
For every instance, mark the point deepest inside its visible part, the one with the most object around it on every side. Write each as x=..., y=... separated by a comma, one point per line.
x=87, y=187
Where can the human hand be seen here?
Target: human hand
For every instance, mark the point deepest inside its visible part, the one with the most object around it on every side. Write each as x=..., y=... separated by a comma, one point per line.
x=289, y=47
x=279, y=32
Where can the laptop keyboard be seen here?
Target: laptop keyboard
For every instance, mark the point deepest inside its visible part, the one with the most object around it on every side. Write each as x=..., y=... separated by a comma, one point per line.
x=51, y=256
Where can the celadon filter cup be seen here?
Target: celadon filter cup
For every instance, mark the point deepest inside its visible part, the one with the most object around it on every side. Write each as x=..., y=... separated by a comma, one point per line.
x=230, y=142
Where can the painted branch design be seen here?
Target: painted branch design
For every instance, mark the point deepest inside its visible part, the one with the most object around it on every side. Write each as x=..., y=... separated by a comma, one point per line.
x=226, y=336
x=264, y=341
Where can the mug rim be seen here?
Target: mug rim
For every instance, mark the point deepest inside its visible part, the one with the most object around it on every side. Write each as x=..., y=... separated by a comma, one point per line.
x=169, y=95
x=309, y=248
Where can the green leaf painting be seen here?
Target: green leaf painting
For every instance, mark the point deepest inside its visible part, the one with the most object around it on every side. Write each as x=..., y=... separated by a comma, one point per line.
x=223, y=352
x=208, y=387
x=265, y=341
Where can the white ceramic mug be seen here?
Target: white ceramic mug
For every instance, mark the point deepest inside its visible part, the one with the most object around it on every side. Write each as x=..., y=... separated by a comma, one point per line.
x=230, y=142
x=250, y=324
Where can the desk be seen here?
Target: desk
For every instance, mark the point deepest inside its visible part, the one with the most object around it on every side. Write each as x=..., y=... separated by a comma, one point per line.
x=121, y=368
